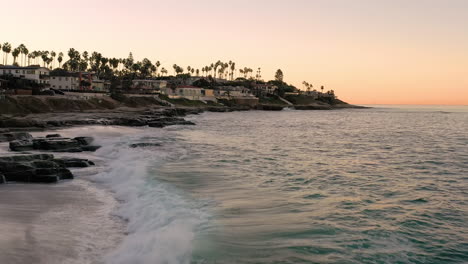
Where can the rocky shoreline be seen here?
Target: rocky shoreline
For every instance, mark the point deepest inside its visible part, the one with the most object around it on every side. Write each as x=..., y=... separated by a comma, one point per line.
x=44, y=168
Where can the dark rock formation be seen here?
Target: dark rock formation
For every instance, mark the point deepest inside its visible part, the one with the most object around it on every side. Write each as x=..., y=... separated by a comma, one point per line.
x=313, y=107
x=74, y=162
x=38, y=168
x=6, y=137
x=33, y=168
x=145, y=145
x=269, y=107
x=53, y=136
x=57, y=144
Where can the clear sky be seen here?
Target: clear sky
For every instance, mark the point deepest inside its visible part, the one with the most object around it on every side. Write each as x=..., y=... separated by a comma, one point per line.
x=368, y=51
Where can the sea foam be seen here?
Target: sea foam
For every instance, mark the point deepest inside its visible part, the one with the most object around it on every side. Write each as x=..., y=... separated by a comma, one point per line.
x=161, y=222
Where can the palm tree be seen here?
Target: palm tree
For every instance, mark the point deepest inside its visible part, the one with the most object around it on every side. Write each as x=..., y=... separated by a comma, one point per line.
x=15, y=54
x=6, y=50
x=25, y=52
x=198, y=72
x=163, y=71
x=52, y=56
x=233, y=69
x=45, y=57
x=60, y=59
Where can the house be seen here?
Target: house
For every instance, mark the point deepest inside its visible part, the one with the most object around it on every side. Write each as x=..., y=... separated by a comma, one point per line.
x=264, y=89
x=155, y=85
x=35, y=73
x=233, y=91
x=64, y=80
x=77, y=81
x=190, y=92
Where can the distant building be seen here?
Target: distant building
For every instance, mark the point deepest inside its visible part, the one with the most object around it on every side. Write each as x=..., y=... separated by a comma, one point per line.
x=264, y=89
x=77, y=81
x=155, y=85
x=233, y=91
x=190, y=92
x=65, y=81
x=35, y=73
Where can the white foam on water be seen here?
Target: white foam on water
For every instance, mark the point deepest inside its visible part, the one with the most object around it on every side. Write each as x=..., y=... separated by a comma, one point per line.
x=161, y=222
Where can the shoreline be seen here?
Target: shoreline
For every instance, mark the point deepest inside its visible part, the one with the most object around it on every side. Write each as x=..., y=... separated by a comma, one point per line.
x=56, y=223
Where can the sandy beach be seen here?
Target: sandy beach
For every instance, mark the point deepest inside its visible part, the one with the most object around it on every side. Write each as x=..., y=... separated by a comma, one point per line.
x=68, y=222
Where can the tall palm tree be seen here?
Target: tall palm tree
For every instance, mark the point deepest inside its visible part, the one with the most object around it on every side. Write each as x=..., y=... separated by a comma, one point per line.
x=6, y=50
x=15, y=54
x=25, y=52
x=60, y=59
x=45, y=57
x=52, y=56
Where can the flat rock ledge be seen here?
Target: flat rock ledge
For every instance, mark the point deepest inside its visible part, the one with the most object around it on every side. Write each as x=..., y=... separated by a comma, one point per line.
x=151, y=118
x=54, y=143
x=38, y=168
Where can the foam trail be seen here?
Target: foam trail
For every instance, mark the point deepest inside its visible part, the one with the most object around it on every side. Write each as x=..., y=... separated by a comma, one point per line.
x=161, y=223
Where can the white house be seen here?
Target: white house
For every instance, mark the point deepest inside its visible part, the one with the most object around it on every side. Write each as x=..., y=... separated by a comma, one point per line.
x=190, y=92
x=35, y=73
x=149, y=84
x=65, y=82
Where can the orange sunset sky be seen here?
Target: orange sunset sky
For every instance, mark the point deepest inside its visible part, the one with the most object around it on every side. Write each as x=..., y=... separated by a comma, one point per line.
x=368, y=51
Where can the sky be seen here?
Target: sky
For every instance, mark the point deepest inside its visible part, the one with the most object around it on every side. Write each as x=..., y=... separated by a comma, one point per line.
x=367, y=51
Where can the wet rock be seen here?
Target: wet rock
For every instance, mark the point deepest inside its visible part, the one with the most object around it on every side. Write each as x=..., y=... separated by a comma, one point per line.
x=53, y=136
x=7, y=137
x=24, y=158
x=56, y=144
x=21, y=145
x=145, y=145
x=90, y=148
x=40, y=168
x=84, y=141
x=2, y=179
x=74, y=162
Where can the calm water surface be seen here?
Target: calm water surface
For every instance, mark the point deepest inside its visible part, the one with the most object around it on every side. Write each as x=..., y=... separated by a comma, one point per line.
x=380, y=185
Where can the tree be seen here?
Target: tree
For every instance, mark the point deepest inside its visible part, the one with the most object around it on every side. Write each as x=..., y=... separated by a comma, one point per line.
x=60, y=59
x=6, y=50
x=45, y=57
x=15, y=54
x=279, y=75
x=52, y=56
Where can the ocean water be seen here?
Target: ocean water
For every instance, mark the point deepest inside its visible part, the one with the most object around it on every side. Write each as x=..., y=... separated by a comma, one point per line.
x=381, y=185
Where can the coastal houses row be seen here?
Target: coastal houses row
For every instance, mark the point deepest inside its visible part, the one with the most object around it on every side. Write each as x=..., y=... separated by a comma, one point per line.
x=60, y=80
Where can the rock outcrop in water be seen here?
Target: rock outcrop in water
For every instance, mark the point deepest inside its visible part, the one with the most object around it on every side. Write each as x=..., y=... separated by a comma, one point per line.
x=10, y=136
x=152, y=118
x=38, y=168
x=56, y=143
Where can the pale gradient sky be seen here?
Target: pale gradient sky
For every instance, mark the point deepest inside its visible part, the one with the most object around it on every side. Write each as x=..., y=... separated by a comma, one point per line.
x=368, y=51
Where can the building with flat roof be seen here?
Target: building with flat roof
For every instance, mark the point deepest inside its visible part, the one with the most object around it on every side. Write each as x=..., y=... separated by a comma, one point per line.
x=33, y=73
